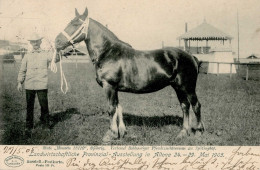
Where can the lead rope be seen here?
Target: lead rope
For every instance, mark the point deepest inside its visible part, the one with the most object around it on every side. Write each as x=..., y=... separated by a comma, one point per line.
x=62, y=75
x=84, y=26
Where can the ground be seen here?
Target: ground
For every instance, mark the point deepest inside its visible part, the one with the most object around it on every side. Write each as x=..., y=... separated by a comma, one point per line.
x=230, y=111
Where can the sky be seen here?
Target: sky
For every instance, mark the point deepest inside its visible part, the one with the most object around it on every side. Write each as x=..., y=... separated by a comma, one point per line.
x=142, y=23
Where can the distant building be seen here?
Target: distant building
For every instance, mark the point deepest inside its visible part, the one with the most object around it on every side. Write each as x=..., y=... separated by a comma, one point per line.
x=253, y=58
x=205, y=33
x=11, y=47
x=219, y=52
x=3, y=51
x=14, y=49
x=3, y=43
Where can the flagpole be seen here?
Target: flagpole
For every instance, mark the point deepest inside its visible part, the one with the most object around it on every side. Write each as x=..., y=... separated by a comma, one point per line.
x=237, y=36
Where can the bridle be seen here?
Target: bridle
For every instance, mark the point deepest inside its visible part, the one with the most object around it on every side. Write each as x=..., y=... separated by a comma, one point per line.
x=83, y=29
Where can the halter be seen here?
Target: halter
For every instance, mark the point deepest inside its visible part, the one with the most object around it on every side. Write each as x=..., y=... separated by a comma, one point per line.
x=83, y=29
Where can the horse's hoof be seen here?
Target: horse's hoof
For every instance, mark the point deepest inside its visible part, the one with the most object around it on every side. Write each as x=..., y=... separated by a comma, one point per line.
x=201, y=127
x=122, y=131
x=183, y=133
x=198, y=133
x=109, y=136
x=28, y=133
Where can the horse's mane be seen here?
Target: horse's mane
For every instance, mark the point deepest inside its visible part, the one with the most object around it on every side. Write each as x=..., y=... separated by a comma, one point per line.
x=110, y=34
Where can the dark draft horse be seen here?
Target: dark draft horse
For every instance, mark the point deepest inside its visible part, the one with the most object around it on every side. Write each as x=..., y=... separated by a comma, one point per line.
x=119, y=67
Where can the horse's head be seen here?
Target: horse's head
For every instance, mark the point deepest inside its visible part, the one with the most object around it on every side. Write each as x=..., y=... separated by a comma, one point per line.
x=76, y=31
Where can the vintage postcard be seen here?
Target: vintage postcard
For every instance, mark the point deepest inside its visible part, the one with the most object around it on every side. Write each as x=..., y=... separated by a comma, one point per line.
x=141, y=84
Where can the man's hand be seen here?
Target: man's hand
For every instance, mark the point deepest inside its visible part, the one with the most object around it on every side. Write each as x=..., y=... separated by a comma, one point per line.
x=19, y=87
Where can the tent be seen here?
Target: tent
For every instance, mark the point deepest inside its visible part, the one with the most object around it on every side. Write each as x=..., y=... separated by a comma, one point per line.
x=252, y=57
x=74, y=52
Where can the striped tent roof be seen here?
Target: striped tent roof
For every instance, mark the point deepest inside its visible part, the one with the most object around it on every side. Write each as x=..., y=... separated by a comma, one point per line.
x=253, y=56
x=205, y=31
x=70, y=51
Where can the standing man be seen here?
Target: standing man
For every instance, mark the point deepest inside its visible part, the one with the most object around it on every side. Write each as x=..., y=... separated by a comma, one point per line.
x=34, y=74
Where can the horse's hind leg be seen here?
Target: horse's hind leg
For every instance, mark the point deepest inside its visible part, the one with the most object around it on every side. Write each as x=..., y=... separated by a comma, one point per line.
x=185, y=106
x=112, y=98
x=196, y=106
x=122, y=127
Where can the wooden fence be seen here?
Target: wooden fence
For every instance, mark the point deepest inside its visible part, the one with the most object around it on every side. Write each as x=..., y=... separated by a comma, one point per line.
x=249, y=66
x=76, y=61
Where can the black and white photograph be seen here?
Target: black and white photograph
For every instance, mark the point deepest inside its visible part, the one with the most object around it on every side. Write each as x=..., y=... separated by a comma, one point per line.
x=140, y=72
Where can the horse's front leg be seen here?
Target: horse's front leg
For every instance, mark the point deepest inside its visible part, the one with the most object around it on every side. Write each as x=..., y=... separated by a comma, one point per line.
x=112, y=98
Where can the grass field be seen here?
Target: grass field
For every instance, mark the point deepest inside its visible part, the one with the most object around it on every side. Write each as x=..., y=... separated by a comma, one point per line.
x=230, y=111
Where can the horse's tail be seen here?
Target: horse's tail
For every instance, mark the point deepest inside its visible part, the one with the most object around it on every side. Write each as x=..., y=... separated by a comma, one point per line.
x=199, y=63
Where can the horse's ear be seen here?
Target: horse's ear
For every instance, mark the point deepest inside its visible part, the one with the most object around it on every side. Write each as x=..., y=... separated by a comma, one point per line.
x=76, y=12
x=86, y=12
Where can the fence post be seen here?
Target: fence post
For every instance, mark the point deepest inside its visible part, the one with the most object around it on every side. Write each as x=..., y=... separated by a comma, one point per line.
x=246, y=72
x=218, y=69
x=230, y=70
x=2, y=64
x=207, y=70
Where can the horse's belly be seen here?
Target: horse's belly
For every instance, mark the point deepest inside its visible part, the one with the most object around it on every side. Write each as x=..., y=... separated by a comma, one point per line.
x=143, y=76
x=141, y=90
x=144, y=85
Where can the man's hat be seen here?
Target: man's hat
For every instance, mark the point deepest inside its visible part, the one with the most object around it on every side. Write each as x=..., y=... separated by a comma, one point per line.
x=34, y=37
